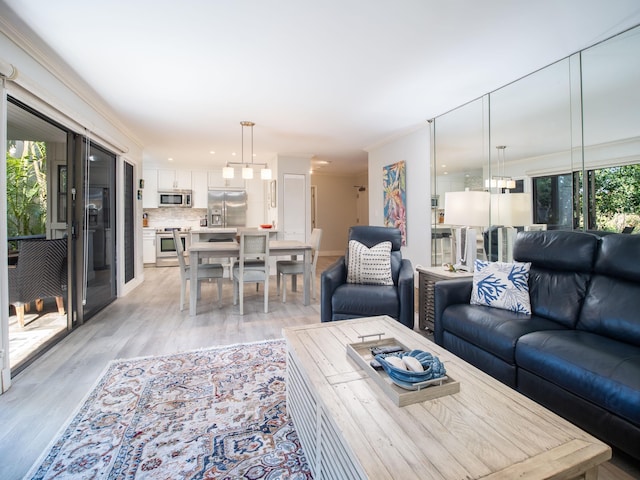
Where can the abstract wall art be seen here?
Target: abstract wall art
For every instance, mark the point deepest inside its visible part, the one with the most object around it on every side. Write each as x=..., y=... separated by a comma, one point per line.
x=395, y=197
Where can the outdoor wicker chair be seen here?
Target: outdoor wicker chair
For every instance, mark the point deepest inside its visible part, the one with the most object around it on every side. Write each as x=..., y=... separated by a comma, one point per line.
x=41, y=272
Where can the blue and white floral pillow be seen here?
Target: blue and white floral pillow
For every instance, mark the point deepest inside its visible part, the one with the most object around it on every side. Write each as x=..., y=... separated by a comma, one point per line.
x=502, y=285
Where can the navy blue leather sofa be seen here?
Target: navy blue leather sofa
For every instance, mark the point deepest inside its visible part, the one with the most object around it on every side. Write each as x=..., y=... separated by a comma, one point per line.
x=340, y=300
x=578, y=354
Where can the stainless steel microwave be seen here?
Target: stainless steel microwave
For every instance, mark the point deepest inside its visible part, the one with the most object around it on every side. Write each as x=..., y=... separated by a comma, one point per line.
x=175, y=198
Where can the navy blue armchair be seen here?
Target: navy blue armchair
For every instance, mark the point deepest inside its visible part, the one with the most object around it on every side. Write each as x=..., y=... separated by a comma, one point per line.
x=341, y=300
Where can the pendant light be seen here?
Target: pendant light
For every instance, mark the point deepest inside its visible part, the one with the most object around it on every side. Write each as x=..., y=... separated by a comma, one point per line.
x=247, y=168
x=247, y=171
x=265, y=173
x=227, y=172
x=500, y=181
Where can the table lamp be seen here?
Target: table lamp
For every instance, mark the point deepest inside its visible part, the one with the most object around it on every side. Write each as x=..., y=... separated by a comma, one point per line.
x=509, y=210
x=466, y=209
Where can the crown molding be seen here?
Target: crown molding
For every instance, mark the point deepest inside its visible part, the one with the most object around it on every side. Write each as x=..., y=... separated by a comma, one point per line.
x=25, y=39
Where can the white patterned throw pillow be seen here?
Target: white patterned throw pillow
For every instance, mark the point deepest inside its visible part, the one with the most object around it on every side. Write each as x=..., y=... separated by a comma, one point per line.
x=502, y=285
x=370, y=266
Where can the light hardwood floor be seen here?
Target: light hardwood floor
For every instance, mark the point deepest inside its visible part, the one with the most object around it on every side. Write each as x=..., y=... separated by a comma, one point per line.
x=146, y=322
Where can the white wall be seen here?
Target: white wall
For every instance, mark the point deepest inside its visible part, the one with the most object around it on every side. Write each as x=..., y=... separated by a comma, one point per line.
x=336, y=210
x=414, y=148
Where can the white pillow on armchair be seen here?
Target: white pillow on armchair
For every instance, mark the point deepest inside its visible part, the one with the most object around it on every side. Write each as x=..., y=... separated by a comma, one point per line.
x=369, y=266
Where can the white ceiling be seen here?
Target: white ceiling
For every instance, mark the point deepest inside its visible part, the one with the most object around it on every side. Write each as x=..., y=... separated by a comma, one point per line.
x=324, y=78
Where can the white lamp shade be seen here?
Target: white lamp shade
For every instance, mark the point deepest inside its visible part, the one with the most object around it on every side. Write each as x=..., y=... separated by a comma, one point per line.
x=227, y=172
x=511, y=209
x=468, y=208
x=265, y=174
x=247, y=173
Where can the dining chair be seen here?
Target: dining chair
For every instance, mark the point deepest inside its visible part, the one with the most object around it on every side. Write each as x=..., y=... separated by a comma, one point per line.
x=41, y=272
x=252, y=266
x=296, y=267
x=206, y=271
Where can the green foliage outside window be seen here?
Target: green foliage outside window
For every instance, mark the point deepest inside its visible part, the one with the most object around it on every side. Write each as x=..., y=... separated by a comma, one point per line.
x=613, y=200
x=26, y=188
x=617, y=192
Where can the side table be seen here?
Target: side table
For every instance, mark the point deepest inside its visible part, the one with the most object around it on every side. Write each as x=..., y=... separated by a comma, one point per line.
x=427, y=278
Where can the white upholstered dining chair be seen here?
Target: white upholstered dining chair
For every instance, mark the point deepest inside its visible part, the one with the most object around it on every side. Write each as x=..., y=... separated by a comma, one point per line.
x=252, y=266
x=206, y=271
x=296, y=267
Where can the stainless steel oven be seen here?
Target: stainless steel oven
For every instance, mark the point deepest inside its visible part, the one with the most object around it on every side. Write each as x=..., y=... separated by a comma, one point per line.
x=166, y=255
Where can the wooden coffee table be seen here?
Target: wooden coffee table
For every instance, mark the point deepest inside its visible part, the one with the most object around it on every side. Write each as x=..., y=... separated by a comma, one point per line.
x=349, y=427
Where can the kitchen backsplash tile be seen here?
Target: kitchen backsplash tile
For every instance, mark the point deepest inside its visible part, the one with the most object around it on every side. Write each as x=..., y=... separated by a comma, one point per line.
x=175, y=217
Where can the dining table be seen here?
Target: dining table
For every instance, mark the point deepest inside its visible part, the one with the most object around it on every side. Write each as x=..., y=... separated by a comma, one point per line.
x=201, y=250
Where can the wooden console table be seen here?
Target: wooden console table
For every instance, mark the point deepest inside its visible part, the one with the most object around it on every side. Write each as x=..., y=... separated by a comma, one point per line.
x=349, y=428
x=427, y=278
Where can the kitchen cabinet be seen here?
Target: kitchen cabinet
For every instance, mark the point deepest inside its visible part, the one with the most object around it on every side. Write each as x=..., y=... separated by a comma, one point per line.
x=183, y=179
x=150, y=191
x=200, y=188
x=174, y=180
x=198, y=181
x=203, y=181
x=149, y=245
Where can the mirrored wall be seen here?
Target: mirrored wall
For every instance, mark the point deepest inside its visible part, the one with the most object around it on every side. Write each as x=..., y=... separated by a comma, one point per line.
x=557, y=149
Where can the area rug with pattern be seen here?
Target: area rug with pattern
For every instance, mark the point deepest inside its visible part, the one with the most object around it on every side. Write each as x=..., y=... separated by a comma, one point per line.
x=218, y=413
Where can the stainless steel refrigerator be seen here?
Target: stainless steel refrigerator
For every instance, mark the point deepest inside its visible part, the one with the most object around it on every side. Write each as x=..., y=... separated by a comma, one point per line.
x=227, y=208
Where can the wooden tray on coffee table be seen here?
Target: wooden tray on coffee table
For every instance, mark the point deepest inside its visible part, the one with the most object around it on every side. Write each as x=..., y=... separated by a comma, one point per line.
x=360, y=352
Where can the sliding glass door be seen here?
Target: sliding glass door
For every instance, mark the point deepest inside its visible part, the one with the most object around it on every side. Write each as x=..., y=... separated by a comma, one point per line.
x=37, y=217
x=94, y=212
x=60, y=189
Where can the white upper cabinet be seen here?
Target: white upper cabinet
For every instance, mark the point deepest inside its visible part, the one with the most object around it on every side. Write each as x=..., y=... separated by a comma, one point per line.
x=199, y=181
x=200, y=188
x=150, y=191
x=174, y=179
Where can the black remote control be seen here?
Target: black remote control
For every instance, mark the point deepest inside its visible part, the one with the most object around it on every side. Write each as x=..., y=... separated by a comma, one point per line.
x=386, y=349
x=375, y=364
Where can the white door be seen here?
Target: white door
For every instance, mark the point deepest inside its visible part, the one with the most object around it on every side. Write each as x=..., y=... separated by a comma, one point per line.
x=362, y=207
x=294, y=207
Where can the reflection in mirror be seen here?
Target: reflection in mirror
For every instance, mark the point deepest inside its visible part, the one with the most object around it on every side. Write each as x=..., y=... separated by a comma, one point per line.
x=530, y=132
x=543, y=120
x=459, y=155
x=531, y=118
x=611, y=105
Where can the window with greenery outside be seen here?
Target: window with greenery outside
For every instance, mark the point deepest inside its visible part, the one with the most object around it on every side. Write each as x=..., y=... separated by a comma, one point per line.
x=612, y=196
x=617, y=197
x=26, y=188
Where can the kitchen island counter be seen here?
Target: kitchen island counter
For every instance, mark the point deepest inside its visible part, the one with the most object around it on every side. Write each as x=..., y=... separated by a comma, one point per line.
x=205, y=234
x=226, y=230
